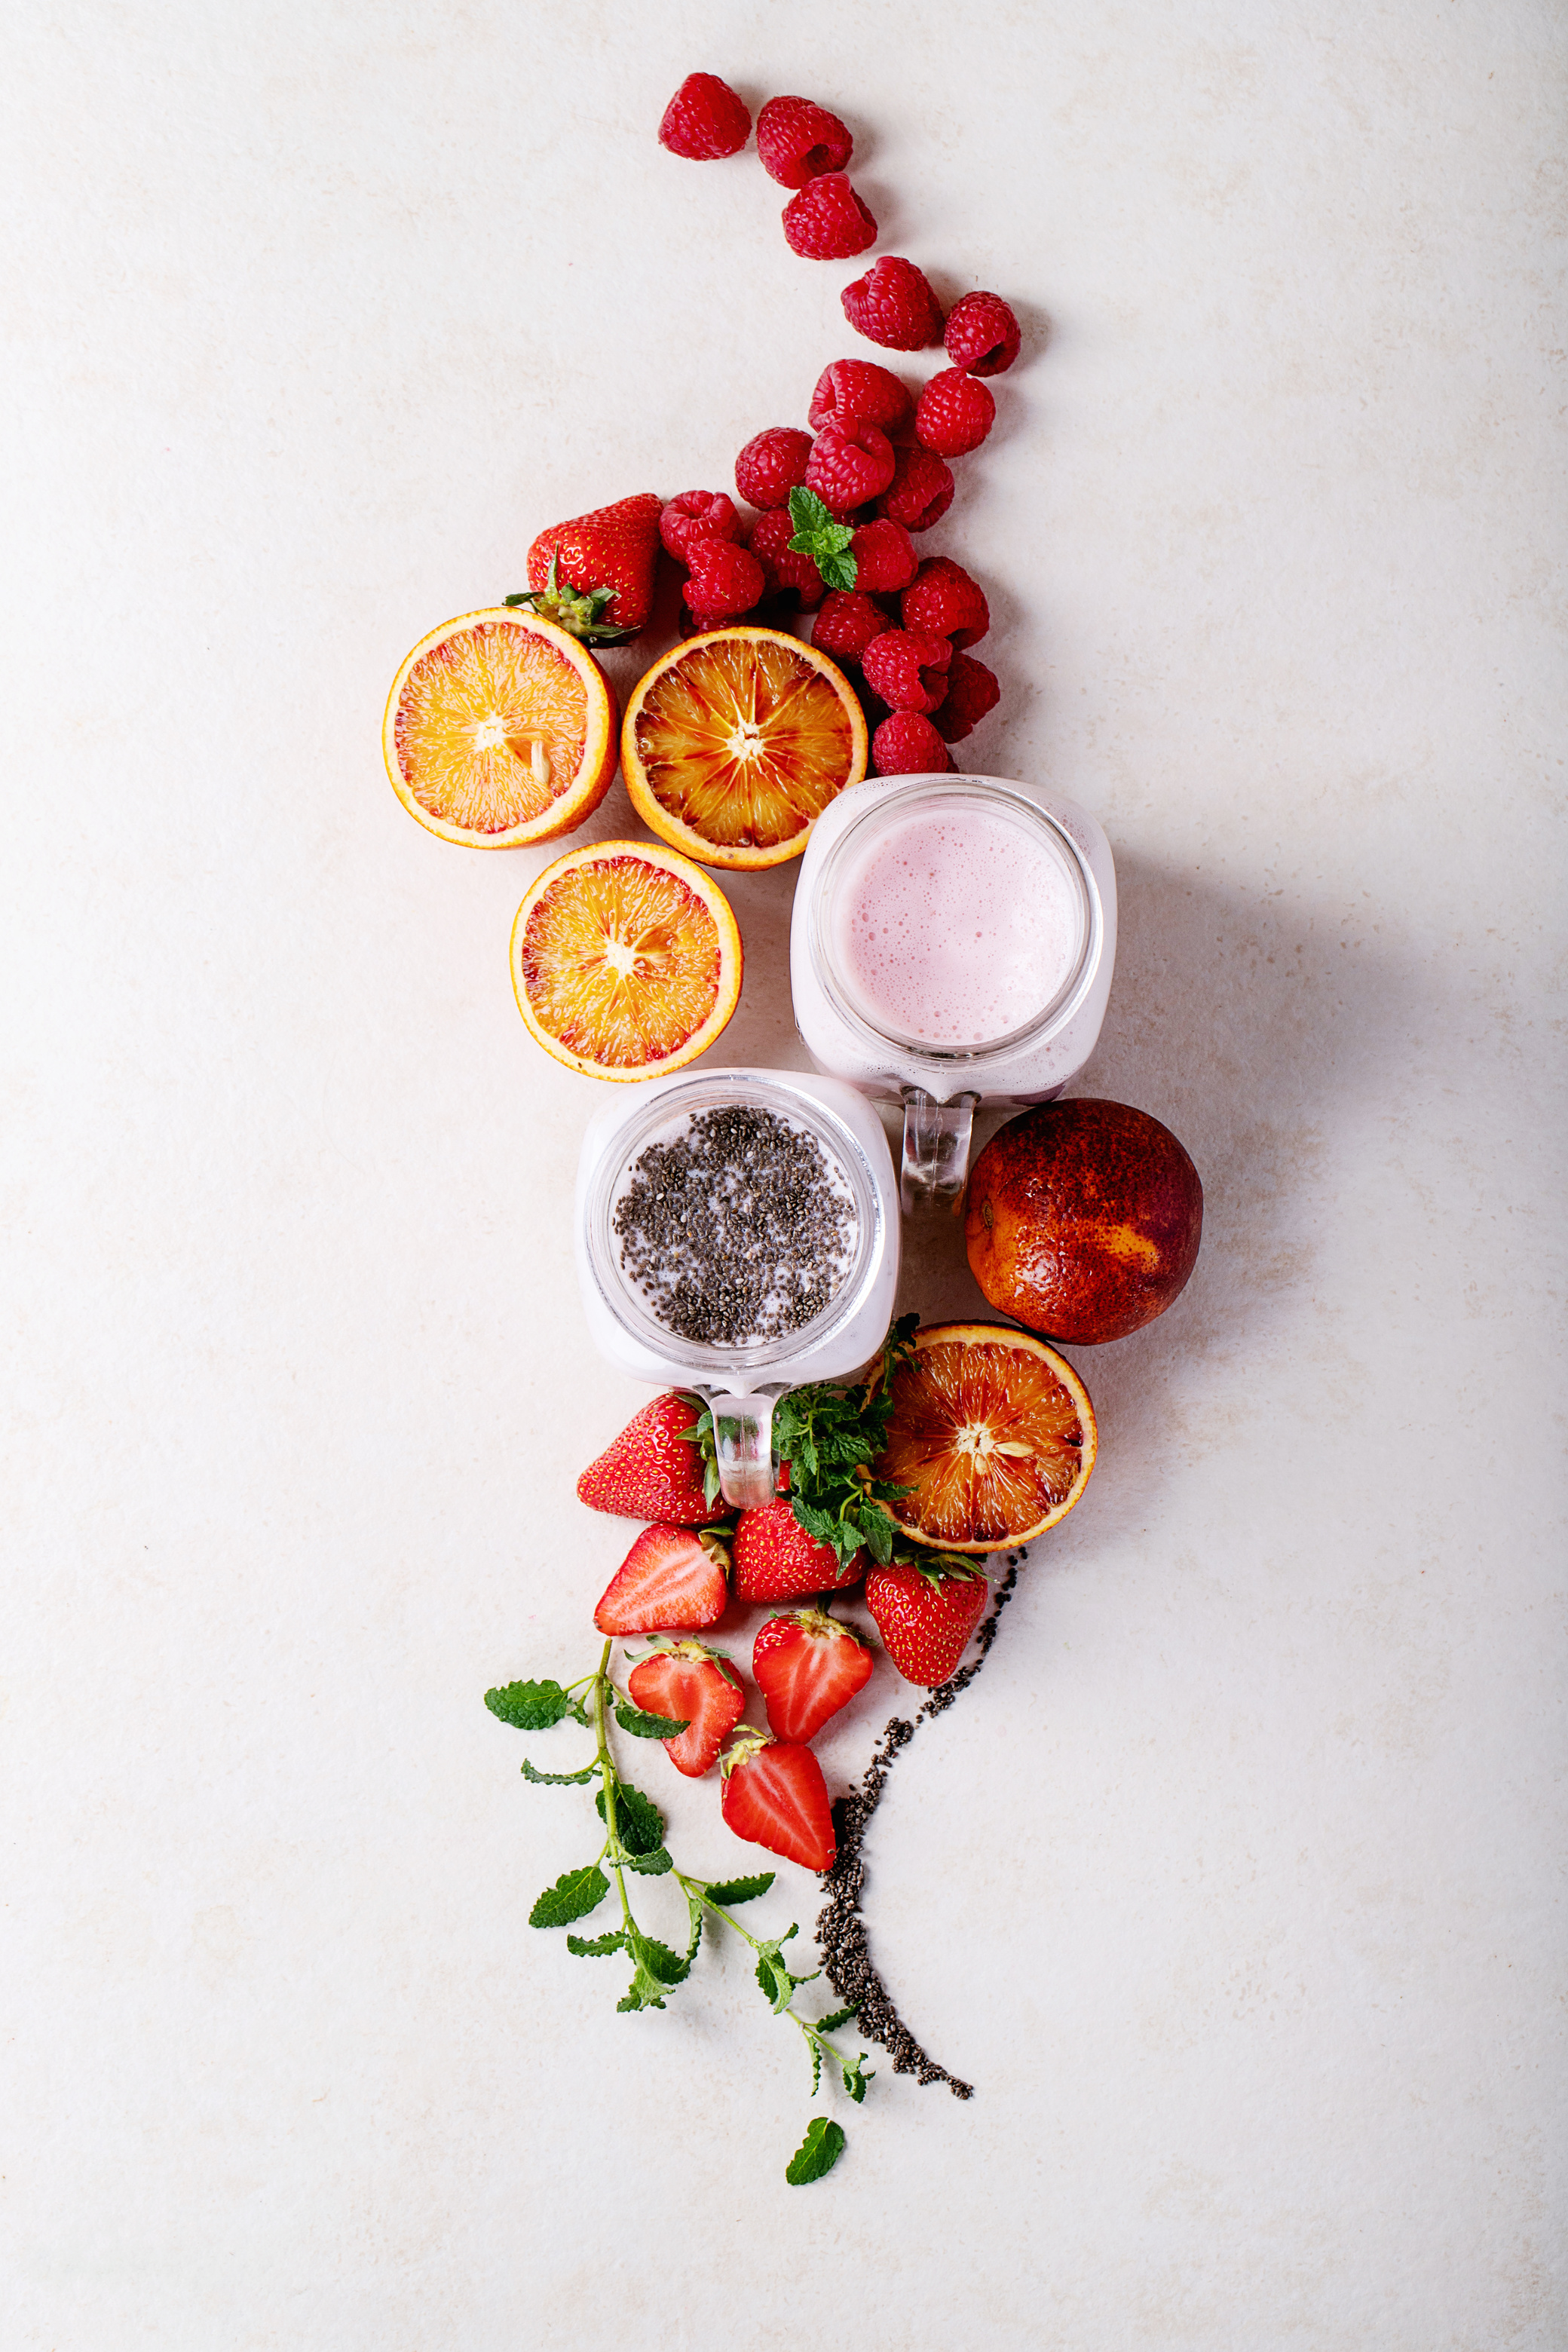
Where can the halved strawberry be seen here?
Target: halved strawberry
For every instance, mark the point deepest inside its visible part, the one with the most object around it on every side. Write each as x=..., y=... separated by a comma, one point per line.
x=776, y=1559
x=925, y=1615
x=594, y=575
x=774, y=1795
x=688, y=1680
x=671, y=1577
x=656, y=1468
x=807, y=1665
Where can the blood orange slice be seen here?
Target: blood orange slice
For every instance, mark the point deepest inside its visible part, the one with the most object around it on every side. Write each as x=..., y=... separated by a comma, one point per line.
x=499, y=729
x=735, y=741
x=993, y=1434
x=625, y=960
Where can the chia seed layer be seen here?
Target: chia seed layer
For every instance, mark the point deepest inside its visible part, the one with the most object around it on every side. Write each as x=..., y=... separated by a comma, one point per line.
x=739, y=1229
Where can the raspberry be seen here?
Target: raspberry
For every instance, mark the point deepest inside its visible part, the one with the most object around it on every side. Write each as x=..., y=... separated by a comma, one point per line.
x=893, y=305
x=769, y=542
x=884, y=558
x=725, y=580
x=942, y=597
x=981, y=334
x=972, y=691
x=694, y=515
x=907, y=745
x=849, y=467
x=704, y=120
x=798, y=141
x=846, y=625
x=859, y=391
x=772, y=465
x=907, y=668
x=826, y=221
x=921, y=491
x=953, y=414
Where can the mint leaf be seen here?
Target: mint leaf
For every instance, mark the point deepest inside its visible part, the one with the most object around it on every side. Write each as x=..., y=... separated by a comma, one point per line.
x=831, y=2024
x=642, y=1725
x=652, y=1865
x=638, y=1818
x=818, y=2152
x=855, y=2082
x=669, y=1967
x=815, y=2068
x=558, y=1780
x=644, y=1991
x=822, y=537
x=740, y=1890
x=575, y=1894
x=531, y=1706
x=694, y=1913
x=594, y=1947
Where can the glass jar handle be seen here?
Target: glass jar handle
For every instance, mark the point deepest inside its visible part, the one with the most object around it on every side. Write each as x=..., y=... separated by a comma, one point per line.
x=743, y=1443
x=936, y=1164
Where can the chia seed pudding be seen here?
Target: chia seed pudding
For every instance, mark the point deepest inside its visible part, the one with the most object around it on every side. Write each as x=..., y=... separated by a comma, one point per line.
x=735, y=1226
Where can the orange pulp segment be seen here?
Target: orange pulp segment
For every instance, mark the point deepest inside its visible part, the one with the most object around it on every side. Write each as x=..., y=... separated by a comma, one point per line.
x=735, y=741
x=499, y=729
x=625, y=960
x=993, y=1434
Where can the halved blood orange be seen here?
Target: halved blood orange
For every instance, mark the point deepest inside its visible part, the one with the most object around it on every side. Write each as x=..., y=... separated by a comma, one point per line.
x=499, y=729
x=993, y=1434
x=625, y=960
x=734, y=742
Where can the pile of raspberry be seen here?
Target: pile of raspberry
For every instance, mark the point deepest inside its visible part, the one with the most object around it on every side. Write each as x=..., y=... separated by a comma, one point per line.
x=877, y=456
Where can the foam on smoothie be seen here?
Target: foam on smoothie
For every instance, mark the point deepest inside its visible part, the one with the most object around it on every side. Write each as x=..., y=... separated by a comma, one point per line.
x=956, y=926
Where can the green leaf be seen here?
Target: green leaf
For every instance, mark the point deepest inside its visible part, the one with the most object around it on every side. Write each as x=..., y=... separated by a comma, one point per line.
x=855, y=2082
x=694, y=1913
x=839, y=2016
x=777, y=1983
x=638, y=1818
x=652, y=1865
x=575, y=1894
x=826, y=1526
x=815, y=2047
x=669, y=1967
x=558, y=1780
x=642, y=1725
x=644, y=1992
x=838, y=569
x=531, y=1706
x=818, y=2152
x=594, y=1947
x=880, y=1531
x=729, y=1891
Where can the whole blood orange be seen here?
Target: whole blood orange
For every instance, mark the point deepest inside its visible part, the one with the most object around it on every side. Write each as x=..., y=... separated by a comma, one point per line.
x=992, y=1434
x=1083, y=1219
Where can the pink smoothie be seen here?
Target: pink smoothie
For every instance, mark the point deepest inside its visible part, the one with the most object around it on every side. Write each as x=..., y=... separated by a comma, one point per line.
x=956, y=926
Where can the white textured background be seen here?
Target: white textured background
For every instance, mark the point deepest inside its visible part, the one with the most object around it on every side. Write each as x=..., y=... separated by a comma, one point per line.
x=1233, y=1882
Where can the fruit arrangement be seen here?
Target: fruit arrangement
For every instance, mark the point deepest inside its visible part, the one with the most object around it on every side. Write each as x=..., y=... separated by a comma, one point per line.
x=820, y=639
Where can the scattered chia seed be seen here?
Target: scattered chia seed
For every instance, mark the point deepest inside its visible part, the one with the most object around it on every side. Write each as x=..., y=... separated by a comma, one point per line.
x=740, y=1229
x=840, y=1930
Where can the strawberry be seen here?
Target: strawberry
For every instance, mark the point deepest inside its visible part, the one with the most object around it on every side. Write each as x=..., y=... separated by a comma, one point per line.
x=657, y=1468
x=776, y=1559
x=594, y=575
x=688, y=1680
x=926, y=1615
x=807, y=1665
x=671, y=1577
x=774, y=1795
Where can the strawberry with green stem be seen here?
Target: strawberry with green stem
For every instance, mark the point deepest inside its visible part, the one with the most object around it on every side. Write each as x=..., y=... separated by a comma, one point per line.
x=594, y=575
x=633, y=1843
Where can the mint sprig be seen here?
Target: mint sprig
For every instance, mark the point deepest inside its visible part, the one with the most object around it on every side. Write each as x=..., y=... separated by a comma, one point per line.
x=820, y=535
x=634, y=1844
x=830, y=1437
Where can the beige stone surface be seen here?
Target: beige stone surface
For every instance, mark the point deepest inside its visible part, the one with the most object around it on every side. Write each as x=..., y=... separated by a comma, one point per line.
x=1232, y=1883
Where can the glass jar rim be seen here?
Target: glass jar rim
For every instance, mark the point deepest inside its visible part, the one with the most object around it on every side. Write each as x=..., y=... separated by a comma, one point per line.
x=1014, y=806
x=689, y=1097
